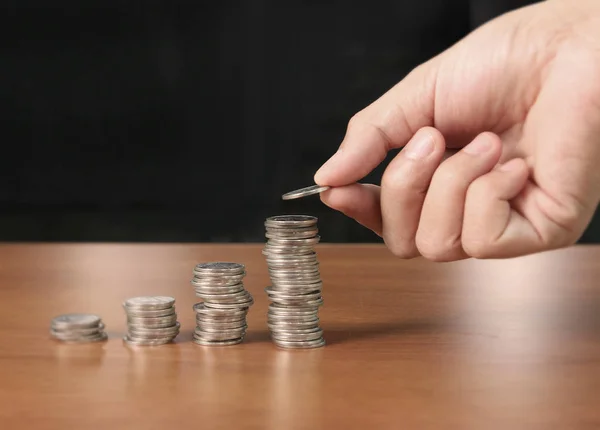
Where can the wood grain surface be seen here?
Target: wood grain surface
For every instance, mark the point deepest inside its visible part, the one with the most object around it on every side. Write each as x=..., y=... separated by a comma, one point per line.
x=509, y=344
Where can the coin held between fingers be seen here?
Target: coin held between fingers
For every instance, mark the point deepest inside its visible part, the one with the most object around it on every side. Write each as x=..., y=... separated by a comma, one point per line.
x=303, y=192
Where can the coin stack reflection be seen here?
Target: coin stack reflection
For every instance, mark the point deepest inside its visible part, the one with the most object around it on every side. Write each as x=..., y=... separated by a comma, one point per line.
x=78, y=328
x=151, y=320
x=221, y=316
x=296, y=285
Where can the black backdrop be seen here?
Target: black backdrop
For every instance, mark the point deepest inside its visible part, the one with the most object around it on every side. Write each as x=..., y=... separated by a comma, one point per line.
x=187, y=120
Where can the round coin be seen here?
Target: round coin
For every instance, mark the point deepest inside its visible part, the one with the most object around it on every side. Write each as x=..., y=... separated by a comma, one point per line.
x=303, y=192
x=223, y=267
x=150, y=302
x=146, y=342
x=75, y=320
x=307, y=344
x=84, y=339
x=204, y=342
x=291, y=221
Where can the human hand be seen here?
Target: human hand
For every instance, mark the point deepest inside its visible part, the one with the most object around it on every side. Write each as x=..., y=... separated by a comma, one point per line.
x=521, y=97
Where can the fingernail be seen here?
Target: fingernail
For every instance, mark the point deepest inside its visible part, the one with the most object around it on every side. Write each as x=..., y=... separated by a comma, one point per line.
x=420, y=146
x=480, y=145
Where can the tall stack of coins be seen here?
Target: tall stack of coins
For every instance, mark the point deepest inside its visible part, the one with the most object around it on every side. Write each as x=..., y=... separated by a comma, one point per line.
x=151, y=320
x=78, y=328
x=221, y=317
x=295, y=290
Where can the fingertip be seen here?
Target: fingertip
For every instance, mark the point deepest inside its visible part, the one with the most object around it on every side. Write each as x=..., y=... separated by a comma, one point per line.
x=360, y=202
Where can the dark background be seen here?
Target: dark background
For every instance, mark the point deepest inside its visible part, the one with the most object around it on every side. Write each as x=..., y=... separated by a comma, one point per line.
x=187, y=120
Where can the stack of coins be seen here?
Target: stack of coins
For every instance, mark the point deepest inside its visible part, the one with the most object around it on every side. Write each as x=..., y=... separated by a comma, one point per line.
x=296, y=285
x=221, y=317
x=78, y=328
x=151, y=320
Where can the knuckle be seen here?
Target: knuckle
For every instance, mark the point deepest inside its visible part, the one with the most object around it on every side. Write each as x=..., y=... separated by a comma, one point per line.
x=356, y=121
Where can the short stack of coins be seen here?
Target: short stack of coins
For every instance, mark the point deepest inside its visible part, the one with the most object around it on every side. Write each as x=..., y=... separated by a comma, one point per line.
x=78, y=328
x=151, y=320
x=221, y=316
x=295, y=290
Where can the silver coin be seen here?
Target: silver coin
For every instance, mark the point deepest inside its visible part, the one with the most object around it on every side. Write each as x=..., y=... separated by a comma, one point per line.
x=309, y=304
x=289, y=241
x=221, y=325
x=150, y=302
x=276, y=250
x=294, y=235
x=287, y=324
x=297, y=337
x=217, y=343
x=239, y=305
x=154, y=330
x=206, y=330
x=75, y=320
x=201, y=309
x=291, y=331
x=78, y=330
x=220, y=289
x=84, y=339
x=225, y=298
x=151, y=313
x=225, y=335
x=300, y=344
x=291, y=221
x=66, y=335
x=146, y=342
x=289, y=258
x=303, y=192
x=277, y=311
x=169, y=319
x=220, y=267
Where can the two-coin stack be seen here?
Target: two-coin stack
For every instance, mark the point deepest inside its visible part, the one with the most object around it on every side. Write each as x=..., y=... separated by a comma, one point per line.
x=221, y=317
x=296, y=285
x=151, y=320
x=78, y=328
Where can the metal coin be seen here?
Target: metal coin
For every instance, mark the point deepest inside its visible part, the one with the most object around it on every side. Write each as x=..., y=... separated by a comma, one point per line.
x=150, y=302
x=217, y=343
x=296, y=337
x=155, y=330
x=75, y=320
x=151, y=313
x=81, y=331
x=292, y=235
x=220, y=289
x=146, y=342
x=303, y=192
x=225, y=335
x=201, y=309
x=291, y=221
x=301, y=344
x=223, y=267
x=84, y=339
x=241, y=305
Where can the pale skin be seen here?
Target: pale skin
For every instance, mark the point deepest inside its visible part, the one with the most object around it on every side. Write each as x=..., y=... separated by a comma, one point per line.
x=520, y=98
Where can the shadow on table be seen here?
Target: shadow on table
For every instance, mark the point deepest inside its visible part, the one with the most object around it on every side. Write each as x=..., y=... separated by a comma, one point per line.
x=337, y=334
x=348, y=333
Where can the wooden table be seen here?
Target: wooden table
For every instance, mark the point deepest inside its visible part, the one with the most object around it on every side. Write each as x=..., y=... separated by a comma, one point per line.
x=470, y=345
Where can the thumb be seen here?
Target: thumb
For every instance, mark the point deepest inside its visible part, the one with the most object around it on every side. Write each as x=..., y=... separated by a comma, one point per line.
x=386, y=124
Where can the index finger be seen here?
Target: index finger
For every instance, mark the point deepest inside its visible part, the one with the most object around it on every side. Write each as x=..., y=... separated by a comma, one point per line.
x=388, y=123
